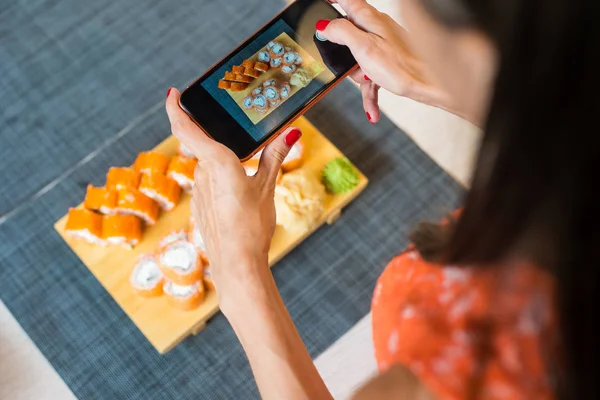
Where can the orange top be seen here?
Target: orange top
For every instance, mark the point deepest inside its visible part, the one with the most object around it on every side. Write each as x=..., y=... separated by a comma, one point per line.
x=151, y=161
x=466, y=332
x=122, y=178
x=100, y=199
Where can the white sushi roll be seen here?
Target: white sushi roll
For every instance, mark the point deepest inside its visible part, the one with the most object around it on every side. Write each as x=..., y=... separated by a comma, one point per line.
x=276, y=62
x=260, y=103
x=298, y=60
x=274, y=103
x=264, y=56
x=290, y=58
x=270, y=45
x=180, y=263
x=247, y=103
x=277, y=50
x=284, y=91
x=146, y=279
x=257, y=91
x=270, y=82
x=288, y=69
x=271, y=93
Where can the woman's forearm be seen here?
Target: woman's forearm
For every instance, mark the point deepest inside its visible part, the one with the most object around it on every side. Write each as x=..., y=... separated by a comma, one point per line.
x=281, y=364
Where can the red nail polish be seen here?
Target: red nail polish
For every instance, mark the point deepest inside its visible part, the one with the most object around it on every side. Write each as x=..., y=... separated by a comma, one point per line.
x=322, y=24
x=169, y=92
x=367, y=78
x=292, y=137
x=369, y=117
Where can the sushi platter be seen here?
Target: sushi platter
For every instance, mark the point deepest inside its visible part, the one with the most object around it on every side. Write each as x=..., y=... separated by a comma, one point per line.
x=119, y=243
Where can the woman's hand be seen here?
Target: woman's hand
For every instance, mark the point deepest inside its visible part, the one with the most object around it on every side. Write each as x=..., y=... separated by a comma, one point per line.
x=379, y=45
x=235, y=212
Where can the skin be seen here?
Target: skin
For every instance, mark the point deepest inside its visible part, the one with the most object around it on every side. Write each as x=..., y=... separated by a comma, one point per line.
x=236, y=213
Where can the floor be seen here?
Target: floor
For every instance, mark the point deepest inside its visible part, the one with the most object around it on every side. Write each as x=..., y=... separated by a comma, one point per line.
x=449, y=140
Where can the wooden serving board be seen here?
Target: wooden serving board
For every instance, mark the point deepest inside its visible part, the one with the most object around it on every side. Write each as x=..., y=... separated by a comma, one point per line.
x=163, y=325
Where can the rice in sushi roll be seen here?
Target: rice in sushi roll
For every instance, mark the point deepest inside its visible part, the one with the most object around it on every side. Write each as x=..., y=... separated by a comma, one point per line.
x=180, y=263
x=184, y=297
x=276, y=50
x=262, y=66
x=298, y=60
x=271, y=93
x=260, y=103
x=146, y=278
x=151, y=161
x=101, y=199
x=181, y=170
x=123, y=230
x=133, y=202
x=269, y=82
x=85, y=225
x=290, y=58
x=165, y=191
x=122, y=178
x=247, y=102
x=264, y=57
x=288, y=69
x=270, y=45
x=284, y=91
x=171, y=237
x=276, y=62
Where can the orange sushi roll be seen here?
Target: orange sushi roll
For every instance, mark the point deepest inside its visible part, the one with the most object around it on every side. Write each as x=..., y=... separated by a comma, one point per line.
x=171, y=237
x=184, y=297
x=251, y=167
x=85, y=225
x=295, y=157
x=122, y=178
x=151, y=161
x=194, y=236
x=146, y=279
x=100, y=199
x=165, y=191
x=181, y=170
x=124, y=230
x=133, y=202
x=180, y=263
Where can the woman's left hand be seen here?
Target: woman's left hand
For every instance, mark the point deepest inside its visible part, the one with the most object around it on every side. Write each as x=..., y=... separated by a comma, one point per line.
x=235, y=212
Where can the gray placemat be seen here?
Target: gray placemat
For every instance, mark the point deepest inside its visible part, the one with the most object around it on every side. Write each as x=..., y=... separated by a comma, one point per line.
x=83, y=82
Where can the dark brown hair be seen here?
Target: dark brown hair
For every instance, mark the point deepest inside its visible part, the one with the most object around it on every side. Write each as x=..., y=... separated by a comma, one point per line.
x=533, y=194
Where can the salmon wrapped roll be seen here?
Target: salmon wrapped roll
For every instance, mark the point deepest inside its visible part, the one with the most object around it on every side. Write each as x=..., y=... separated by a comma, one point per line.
x=124, y=230
x=194, y=236
x=151, y=161
x=146, y=279
x=133, y=202
x=100, y=199
x=294, y=158
x=85, y=225
x=122, y=178
x=184, y=297
x=171, y=237
x=251, y=167
x=180, y=263
x=185, y=151
x=181, y=170
x=165, y=191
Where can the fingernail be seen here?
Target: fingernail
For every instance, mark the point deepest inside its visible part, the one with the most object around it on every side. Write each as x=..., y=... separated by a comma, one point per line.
x=322, y=24
x=367, y=78
x=369, y=117
x=292, y=137
x=169, y=92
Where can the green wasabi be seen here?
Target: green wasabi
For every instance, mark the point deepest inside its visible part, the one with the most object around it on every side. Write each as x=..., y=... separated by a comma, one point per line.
x=340, y=176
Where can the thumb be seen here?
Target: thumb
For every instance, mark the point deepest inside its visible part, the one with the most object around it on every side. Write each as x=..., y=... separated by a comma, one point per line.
x=343, y=32
x=274, y=154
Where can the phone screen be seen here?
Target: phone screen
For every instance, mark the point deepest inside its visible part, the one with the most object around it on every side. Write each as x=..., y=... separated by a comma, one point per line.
x=269, y=79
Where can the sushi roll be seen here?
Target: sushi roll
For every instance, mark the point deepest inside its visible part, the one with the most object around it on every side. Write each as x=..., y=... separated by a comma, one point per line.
x=243, y=78
x=122, y=178
x=295, y=157
x=151, y=161
x=165, y=191
x=251, y=168
x=184, y=297
x=229, y=76
x=181, y=170
x=195, y=238
x=123, y=230
x=171, y=237
x=146, y=278
x=264, y=57
x=284, y=91
x=257, y=91
x=276, y=50
x=298, y=60
x=180, y=263
x=248, y=64
x=251, y=72
x=238, y=86
x=262, y=66
x=288, y=49
x=85, y=225
x=270, y=82
x=274, y=103
x=247, y=102
x=260, y=103
x=288, y=69
x=271, y=93
x=185, y=151
x=276, y=62
x=271, y=44
x=133, y=202
x=237, y=69
x=100, y=199
x=290, y=58
x=223, y=84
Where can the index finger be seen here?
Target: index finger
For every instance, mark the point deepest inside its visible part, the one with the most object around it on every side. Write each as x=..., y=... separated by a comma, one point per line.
x=185, y=129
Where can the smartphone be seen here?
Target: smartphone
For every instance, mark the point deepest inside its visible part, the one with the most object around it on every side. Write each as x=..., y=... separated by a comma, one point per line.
x=245, y=100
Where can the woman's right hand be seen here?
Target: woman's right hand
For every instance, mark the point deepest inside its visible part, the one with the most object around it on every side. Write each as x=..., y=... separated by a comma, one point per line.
x=379, y=45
